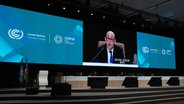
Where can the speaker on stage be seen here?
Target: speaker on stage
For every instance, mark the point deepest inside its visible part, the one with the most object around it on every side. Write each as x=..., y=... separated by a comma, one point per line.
x=173, y=81
x=155, y=81
x=130, y=82
x=61, y=89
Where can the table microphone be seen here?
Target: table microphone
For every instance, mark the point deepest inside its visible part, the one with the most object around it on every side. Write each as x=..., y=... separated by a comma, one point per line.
x=97, y=54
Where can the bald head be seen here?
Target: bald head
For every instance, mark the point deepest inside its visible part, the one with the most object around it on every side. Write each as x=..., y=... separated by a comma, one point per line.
x=110, y=33
x=110, y=39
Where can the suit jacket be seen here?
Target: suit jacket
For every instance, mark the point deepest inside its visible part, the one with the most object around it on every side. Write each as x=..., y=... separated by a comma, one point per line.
x=117, y=54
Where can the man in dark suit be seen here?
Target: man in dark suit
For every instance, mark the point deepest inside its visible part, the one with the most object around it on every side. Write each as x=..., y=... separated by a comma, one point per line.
x=110, y=52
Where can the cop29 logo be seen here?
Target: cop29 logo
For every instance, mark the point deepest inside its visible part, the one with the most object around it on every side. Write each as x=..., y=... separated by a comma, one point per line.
x=58, y=39
x=15, y=33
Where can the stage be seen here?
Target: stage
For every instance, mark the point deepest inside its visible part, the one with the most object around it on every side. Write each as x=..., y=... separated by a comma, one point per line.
x=109, y=95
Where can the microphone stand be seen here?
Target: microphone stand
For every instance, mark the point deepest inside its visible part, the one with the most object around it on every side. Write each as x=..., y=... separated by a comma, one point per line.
x=97, y=54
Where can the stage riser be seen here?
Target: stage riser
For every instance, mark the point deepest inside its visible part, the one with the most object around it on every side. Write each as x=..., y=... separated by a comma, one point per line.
x=120, y=81
x=106, y=95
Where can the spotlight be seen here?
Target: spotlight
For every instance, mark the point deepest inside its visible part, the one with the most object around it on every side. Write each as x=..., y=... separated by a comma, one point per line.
x=48, y=4
x=64, y=8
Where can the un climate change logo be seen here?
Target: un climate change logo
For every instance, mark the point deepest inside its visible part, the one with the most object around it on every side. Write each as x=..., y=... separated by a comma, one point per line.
x=15, y=33
x=145, y=49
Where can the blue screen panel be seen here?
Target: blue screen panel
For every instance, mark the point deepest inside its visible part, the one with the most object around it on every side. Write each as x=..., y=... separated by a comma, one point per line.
x=39, y=37
x=155, y=51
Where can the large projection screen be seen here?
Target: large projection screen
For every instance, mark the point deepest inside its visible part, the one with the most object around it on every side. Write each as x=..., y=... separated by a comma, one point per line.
x=95, y=32
x=48, y=39
x=39, y=37
x=155, y=51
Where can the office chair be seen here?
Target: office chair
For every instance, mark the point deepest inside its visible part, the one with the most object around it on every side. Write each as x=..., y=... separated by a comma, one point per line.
x=121, y=45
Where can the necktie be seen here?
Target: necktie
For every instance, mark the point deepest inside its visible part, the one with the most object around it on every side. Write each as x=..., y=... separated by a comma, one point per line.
x=111, y=57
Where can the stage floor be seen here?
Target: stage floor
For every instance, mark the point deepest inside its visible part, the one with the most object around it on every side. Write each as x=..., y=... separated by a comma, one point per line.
x=104, y=96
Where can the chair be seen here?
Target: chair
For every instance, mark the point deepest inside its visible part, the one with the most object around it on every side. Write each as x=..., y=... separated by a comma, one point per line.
x=121, y=45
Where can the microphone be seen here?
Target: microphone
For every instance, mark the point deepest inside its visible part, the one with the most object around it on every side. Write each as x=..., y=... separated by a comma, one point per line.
x=97, y=54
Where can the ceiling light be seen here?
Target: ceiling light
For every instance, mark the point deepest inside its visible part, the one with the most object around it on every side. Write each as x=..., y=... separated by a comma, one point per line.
x=48, y=4
x=64, y=8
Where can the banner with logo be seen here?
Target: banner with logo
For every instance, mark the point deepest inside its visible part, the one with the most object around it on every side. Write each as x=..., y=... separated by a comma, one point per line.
x=42, y=38
x=155, y=51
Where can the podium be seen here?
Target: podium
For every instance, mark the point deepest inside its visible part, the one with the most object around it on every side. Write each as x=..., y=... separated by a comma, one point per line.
x=97, y=82
x=60, y=89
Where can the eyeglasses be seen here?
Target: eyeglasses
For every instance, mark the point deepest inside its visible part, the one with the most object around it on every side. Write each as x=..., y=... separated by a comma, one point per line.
x=110, y=39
